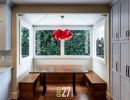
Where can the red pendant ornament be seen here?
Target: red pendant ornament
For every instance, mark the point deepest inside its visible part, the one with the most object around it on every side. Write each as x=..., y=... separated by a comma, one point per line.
x=62, y=35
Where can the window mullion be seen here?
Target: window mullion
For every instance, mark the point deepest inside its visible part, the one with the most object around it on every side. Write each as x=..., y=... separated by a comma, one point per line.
x=62, y=47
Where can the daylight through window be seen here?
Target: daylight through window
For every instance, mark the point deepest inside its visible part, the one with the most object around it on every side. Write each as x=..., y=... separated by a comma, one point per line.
x=99, y=36
x=45, y=44
x=25, y=42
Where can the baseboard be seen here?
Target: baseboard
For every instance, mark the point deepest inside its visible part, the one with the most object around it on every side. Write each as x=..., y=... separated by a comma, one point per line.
x=14, y=95
x=109, y=96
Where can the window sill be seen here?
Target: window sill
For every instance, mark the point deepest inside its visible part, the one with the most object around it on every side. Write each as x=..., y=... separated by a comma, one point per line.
x=99, y=59
x=63, y=57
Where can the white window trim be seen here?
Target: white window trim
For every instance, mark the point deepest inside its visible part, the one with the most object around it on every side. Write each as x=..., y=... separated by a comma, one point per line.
x=101, y=23
x=62, y=42
x=22, y=60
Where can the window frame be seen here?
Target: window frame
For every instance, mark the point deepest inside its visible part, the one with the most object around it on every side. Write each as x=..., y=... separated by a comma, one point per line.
x=100, y=24
x=62, y=42
x=21, y=41
x=22, y=23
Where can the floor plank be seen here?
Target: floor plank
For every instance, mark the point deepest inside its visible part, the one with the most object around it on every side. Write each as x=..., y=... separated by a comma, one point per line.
x=82, y=93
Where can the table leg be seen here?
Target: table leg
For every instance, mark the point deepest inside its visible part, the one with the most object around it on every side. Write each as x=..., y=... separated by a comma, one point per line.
x=44, y=84
x=74, y=84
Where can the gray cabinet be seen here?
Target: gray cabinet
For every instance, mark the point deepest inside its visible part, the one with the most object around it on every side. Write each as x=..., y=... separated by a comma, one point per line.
x=115, y=22
x=124, y=18
x=124, y=88
x=124, y=57
x=115, y=69
x=124, y=63
x=115, y=55
x=120, y=62
x=115, y=85
x=1, y=13
x=5, y=27
x=120, y=20
x=114, y=2
x=120, y=52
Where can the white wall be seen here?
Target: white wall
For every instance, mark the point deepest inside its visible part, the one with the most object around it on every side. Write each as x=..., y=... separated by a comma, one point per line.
x=102, y=67
x=23, y=65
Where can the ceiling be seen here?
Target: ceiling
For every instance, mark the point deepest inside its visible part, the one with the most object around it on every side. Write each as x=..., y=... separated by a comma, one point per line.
x=69, y=19
x=61, y=1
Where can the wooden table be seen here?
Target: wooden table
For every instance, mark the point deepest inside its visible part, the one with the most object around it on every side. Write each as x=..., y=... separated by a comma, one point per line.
x=74, y=69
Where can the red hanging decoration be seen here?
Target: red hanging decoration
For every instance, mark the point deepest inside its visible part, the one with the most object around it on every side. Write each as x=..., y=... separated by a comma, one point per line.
x=62, y=35
x=68, y=34
x=57, y=34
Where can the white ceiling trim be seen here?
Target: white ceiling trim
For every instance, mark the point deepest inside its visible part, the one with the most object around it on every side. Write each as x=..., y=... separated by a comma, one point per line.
x=69, y=19
x=61, y=1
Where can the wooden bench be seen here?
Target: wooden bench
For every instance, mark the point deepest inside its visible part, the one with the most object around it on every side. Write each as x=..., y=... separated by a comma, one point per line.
x=27, y=86
x=96, y=86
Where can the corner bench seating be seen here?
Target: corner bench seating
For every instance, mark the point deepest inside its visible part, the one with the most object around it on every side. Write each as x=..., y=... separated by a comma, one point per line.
x=96, y=86
x=27, y=86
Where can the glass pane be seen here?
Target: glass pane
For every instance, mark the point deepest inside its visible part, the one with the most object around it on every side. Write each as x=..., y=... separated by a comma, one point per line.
x=79, y=44
x=45, y=44
x=25, y=42
x=100, y=42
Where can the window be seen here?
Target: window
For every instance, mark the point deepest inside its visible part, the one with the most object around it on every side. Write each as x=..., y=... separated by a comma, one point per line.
x=99, y=39
x=46, y=45
x=24, y=42
x=79, y=44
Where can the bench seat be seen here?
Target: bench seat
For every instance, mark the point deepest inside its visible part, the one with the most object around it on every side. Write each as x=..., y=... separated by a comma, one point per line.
x=27, y=86
x=96, y=86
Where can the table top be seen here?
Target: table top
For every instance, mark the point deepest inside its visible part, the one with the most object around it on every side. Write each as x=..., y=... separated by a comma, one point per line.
x=60, y=69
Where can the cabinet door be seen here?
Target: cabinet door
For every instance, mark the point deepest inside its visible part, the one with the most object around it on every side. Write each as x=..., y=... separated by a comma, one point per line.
x=1, y=13
x=124, y=88
x=115, y=69
x=124, y=62
x=2, y=36
x=115, y=85
x=124, y=19
x=124, y=57
x=5, y=27
x=115, y=22
x=115, y=55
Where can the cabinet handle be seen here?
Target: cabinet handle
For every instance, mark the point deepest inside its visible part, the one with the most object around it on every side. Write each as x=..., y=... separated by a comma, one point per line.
x=127, y=33
x=127, y=70
x=117, y=66
x=117, y=35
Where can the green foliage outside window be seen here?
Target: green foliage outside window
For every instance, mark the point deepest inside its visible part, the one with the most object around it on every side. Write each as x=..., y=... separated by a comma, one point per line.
x=45, y=44
x=25, y=42
x=99, y=34
x=79, y=44
x=100, y=47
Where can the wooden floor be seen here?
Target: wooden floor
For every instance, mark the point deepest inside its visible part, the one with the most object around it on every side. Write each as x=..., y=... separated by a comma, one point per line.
x=82, y=93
